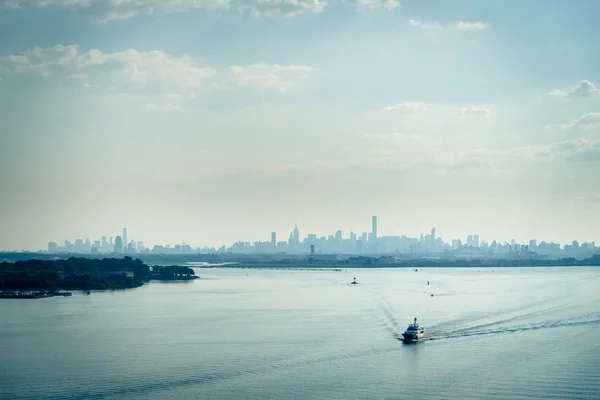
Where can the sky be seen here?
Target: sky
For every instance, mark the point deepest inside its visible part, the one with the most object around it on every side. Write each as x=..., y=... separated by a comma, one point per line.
x=215, y=121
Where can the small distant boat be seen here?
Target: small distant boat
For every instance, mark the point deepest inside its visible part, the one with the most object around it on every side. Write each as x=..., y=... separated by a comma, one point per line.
x=88, y=292
x=354, y=282
x=413, y=333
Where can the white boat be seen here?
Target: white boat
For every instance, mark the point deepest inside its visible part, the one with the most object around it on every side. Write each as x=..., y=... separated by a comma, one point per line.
x=414, y=332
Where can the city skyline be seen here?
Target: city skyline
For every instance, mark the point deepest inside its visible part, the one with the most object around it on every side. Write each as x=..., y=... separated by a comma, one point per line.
x=338, y=242
x=228, y=122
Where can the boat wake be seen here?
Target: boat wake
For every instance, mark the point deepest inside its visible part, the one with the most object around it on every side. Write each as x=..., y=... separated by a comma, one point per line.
x=516, y=329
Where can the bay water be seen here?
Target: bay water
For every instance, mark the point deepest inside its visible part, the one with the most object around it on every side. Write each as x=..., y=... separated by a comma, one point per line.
x=502, y=333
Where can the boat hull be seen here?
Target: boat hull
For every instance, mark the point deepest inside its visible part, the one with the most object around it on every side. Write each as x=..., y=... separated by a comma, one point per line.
x=410, y=337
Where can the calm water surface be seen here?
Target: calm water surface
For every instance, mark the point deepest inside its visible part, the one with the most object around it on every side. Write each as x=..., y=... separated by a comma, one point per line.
x=493, y=334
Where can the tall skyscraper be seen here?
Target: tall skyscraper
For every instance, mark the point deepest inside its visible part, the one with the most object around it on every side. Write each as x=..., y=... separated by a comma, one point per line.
x=273, y=239
x=296, y=234
x=433, y=238
x=118, y=244
x=52, y=247
x=475, y=240
x=374, y=227
x=125, y=236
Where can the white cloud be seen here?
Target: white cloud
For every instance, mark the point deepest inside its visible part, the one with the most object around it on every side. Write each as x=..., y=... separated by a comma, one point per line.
x=582, y=90
x=473, y=111
x=572, y=150
x=267, y=77
x=471, y=26
x=585, y=122
x=110, y=10
x=145, y=67
x=19, y=59
x=424, y=25
x=284, y=8
x=431, y=27
x=406, y=107
x=370, y=4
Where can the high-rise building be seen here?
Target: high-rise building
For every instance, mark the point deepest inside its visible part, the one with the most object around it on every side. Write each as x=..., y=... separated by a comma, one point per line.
x=352, y=236
x=374, y=227
x=274, y=239
x=338, y=235
x=118, y=244
x=296, y=234
x=125, y=236
x=475, y=240
x=433, y=238
x=52, y=247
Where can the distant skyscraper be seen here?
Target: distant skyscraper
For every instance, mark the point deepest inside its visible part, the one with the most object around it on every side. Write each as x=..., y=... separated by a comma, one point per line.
x=352, y=236
x=296, y=234
x=125, y=236
x=273, y=239
x=338, y=235
x=118, y=244
x=433, y=238
x=475, y=240
x=374, y=227
x=52, y=247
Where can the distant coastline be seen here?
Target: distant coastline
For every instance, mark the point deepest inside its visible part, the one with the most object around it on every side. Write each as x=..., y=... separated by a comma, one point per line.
x=231, y=260
x=85, y=274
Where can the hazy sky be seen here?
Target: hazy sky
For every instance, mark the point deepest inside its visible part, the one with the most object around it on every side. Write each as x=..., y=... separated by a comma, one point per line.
x=213, y=121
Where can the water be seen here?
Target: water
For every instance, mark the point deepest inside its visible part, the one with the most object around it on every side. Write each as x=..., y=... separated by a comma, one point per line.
x=254, y=334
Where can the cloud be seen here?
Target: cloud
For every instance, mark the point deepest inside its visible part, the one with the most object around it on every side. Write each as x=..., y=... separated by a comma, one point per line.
x=586, y=122
x=425, y=25
x=372, y=4
x=406, y=107
x=284, y=8
x=469, y=112
x=155, y=66
x=572, y=150
x=268, y=77
x=583, y=90
x=432, y=27
x=471, y=26
x=110, y=10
